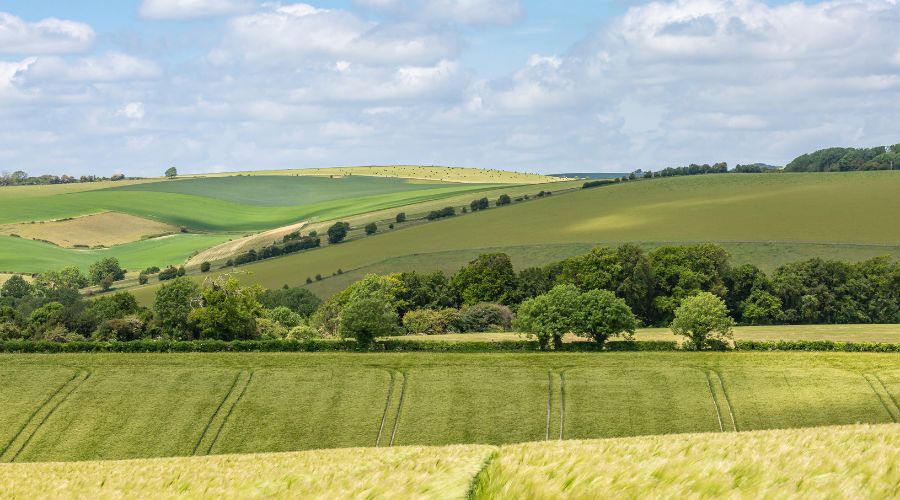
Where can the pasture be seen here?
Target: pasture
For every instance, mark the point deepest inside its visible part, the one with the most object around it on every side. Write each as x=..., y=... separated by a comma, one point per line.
x=113, y=406
x=766, y=217
x=850, y=461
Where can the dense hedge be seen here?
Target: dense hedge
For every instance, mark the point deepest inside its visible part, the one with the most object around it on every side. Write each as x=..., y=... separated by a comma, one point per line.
x=162, y=346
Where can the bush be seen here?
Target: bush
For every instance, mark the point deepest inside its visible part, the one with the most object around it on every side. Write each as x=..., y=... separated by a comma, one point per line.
x=486, y=317
x=168, y=273
x=701, y=318
x=205, y=267
x=143, y=279
x=598, y=183
x=503, y=200
x=337, y=232
x=302, y=333
x=432, y=321
x=122, y=330
x=480, y=204
x=371, y=228
x=401, y=218
x=442, y=213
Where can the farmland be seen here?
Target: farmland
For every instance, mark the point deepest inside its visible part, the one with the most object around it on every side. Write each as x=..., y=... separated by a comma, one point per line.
x=113, y=406
x=764, y=219
x=850, y=461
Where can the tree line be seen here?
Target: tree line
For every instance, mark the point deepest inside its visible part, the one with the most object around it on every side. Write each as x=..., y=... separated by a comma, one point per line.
x=21, y=178
x=603, y=293
x=847, y=159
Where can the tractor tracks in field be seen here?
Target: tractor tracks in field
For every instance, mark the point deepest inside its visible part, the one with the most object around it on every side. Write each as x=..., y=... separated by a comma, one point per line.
x=393, y=407
x=556, y=404
x=40, y=415
x=219, y=418
x=884, y=395
x=721, y=401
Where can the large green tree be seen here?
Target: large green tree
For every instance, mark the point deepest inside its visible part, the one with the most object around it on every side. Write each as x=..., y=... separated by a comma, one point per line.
x=173, y=305
x=489, y=278
x=701, y=318
x=365, y=318
x=106, y=268
x=227, y=310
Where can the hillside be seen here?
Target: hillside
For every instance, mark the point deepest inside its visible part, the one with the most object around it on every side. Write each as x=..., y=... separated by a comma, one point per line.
x=766, y=218
x=854, y=461
x=422, y=172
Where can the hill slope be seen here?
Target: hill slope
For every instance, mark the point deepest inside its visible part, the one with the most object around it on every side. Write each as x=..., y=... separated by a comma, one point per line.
x=849, y=462
x=760, y=212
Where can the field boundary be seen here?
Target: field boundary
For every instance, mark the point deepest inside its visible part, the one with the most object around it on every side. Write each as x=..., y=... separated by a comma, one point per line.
x=60, y=396
x=242, y=379
x=884, y=395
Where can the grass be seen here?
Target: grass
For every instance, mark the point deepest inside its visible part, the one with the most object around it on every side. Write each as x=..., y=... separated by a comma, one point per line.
x=847, y=462
x=142, y=406
x=759, y=214
x=27, y=256
x=351, y=473
x=103, y=229
x=836, y=333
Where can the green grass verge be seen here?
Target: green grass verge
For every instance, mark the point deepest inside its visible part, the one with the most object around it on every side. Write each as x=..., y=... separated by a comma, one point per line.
x=147, y=405
x=851, y=461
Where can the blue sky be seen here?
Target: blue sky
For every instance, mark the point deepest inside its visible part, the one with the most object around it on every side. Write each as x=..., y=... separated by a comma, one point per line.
x=135, y=86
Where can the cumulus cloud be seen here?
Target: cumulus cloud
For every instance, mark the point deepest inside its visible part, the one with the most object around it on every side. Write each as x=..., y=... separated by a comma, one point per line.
x=289, y=32
x=190, y=9
x=110, y=67
x=457, y=11
x=48, y=36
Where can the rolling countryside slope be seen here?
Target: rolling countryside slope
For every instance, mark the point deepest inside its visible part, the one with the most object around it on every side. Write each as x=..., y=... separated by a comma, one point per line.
x=768, y=218
x=116, y=406
x=851, y=461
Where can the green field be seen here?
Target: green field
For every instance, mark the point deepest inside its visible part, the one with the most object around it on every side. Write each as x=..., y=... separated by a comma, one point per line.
x=833, y=462
x=113, y=406
x=769, y=219
x=26, y=256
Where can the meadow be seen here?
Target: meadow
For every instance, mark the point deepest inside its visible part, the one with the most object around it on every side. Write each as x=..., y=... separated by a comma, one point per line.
x=850, y=462
x=769, y=219
x=114, y=406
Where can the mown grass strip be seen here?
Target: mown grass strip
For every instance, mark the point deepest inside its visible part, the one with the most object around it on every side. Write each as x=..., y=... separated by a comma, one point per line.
x=71, y=387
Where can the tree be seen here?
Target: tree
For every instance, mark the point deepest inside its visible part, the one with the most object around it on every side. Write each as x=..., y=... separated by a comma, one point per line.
x=106, y=268
x=366, y=318
x=205, y=267
x=299, y=300
x=337, y=232
x=701, y=318
x=173, y=305
x=117, y=305
x=600, y=315
x=16, y=287
x=761, y=308
x=401, y=217
x=371, y=228
x=504, y=199
x=227, y=310
x=549, y=316
x=597, y=270
x=489, y=278
x=171, y=172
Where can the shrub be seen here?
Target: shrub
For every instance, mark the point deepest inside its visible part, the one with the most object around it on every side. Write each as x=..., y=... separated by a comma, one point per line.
x=503, y=200
x=432, y=321
x=205, y=267
x=337, y=232
x=442, y=213
x=268, y=329
x=401, y=218
x=480, y=204
x=168, y=273
x=486, y=317
x=284, y=316
x=142, y=279
x=122, y=330
x=371, y=228
x=298, y=300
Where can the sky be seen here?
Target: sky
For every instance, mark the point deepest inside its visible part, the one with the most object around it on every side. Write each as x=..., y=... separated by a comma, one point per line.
x=136, y=86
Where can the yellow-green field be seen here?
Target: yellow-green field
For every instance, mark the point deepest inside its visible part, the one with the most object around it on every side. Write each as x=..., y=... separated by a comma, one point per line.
x=836, y=333
x=431, y=173
x=828, y=462
x=103, y=229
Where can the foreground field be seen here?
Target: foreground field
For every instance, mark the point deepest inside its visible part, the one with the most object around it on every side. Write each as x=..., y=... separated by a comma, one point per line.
x=757, y=213
x=837, y=333
x=848, y=462
x=109, y=406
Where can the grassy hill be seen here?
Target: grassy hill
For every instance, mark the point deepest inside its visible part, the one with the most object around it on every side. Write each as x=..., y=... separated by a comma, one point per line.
x=852, y=461
x=767, y=218
x=114, y=406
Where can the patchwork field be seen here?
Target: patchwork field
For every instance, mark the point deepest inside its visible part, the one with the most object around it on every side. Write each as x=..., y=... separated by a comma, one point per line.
x=103, y=229
x=767, y=218
x=86, y=407
x=848, y=462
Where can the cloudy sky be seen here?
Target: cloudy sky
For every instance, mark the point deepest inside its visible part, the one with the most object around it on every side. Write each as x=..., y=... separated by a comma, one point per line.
x=135, y=86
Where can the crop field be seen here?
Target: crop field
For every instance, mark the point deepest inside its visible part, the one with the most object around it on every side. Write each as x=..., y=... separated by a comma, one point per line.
x=848, y=462
x=767, y=218
x=430, y=173
x=103, y=229
x=835, y=333
x=109, y=406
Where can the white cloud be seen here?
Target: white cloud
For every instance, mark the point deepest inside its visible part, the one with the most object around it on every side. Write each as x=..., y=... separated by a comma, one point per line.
x=457, y=11
x=48, y=36
x=292, y=32
x=108, y=67
x=133, y=111
x=190, y=9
